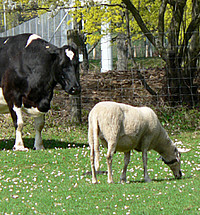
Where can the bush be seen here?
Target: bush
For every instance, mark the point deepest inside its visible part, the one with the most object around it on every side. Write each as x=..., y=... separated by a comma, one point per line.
x=179, y=119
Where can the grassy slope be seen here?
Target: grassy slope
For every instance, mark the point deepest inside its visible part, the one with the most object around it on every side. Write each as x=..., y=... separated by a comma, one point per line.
x=53, y=180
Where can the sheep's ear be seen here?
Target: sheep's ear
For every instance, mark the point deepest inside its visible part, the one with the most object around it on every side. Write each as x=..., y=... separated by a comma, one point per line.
x=179, y=149
x=183, y=150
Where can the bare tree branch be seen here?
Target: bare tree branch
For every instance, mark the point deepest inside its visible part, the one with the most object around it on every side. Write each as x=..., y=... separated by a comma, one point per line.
x=190, y=30
x=145, y=30
x=146, y=86
x=93, y=46
x=36, y=8
x=161, y=21
x=140, y=22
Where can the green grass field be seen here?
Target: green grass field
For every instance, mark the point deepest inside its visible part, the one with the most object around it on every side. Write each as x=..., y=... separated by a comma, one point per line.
x=53, y=181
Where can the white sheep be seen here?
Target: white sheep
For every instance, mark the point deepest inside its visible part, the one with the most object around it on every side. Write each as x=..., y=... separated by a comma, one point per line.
x=124, y=128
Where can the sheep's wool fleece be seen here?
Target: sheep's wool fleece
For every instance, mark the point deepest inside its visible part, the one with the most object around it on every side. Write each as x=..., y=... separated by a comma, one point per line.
x=131, y=127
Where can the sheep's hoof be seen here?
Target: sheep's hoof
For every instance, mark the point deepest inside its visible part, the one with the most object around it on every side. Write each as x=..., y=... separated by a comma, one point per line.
x=147, y=180
x=94, y=181
x=122, y=181
x=39, y=147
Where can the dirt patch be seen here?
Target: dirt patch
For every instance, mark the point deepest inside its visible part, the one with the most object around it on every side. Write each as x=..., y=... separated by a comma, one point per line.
x=119, y=86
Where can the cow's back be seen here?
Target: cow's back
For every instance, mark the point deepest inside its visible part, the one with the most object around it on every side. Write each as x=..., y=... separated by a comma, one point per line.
x=24, y=47
x=11, y=49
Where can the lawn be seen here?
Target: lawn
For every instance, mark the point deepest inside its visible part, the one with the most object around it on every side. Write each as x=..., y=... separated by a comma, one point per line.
x=53, y=181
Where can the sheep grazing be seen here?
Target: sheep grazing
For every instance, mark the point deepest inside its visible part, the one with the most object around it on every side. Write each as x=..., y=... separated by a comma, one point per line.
x=123, y=128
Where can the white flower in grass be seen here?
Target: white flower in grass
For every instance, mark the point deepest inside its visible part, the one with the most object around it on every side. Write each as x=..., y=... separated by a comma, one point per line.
x=68, y=197
x=15, y=196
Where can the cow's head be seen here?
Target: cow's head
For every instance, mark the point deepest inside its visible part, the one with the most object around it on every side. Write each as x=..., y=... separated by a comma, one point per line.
x=67, y=74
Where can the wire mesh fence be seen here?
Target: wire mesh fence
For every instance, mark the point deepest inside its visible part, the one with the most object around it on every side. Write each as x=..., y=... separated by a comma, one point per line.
x=128, y=87
x=142, y=87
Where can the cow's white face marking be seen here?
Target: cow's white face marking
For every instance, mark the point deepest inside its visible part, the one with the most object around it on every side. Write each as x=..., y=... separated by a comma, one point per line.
x=3, y=105
x=69, y=53
x=31, y=38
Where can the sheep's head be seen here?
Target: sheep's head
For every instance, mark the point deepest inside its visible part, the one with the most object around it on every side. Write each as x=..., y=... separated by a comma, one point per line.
x=175, y=164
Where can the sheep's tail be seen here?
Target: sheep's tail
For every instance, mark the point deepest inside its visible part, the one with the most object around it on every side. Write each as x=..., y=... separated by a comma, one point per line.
x=94, y=142
x=94, y=146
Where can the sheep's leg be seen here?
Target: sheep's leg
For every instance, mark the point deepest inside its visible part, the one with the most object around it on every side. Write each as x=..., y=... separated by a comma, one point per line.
x=94, y=177
x=97, y=155
x=126, y=162
x=94, y=148
x=39, y=125
x=144, y=158
x=110, y=153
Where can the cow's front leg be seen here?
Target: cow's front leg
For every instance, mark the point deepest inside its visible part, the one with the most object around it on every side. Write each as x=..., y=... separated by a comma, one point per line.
x=39, y=125
x=16, y=114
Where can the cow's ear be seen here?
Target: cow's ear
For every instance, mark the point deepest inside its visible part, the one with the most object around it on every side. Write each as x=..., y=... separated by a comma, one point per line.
x=63, y=54
x=74, y=46
x=53, y=51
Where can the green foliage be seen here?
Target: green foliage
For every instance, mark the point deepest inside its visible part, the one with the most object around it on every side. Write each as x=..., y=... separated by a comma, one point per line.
x=179, y=119
x=146, y=63
x=16, y=12
x=94, y=13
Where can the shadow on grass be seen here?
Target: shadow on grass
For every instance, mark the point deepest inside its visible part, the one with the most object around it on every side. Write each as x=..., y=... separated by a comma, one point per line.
x=7, y=144
x=160, y=180
x=139, y=181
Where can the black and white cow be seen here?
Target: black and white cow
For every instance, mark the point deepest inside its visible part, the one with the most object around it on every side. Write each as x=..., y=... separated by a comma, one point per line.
x=30, y=68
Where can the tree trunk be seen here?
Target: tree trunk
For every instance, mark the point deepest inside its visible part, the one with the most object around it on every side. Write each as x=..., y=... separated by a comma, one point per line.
x=122, y=52
x=181, y=64
x=84, y=66
x=193, y=53
x=180, y=80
